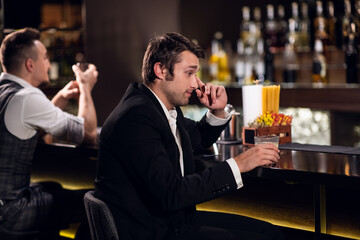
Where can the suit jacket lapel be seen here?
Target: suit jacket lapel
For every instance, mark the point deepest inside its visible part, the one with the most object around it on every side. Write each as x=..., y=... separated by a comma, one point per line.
x=154, y=100
x=174, y=159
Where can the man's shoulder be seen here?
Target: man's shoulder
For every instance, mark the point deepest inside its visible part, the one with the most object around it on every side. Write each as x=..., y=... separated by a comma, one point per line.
x=31, y=94
x=134, y=102
x=137, y=96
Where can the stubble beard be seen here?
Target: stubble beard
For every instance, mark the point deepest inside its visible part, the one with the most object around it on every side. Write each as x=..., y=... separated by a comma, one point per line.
x=175, y=98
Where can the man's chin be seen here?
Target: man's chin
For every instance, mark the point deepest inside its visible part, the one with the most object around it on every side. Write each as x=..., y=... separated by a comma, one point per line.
x=184, y=103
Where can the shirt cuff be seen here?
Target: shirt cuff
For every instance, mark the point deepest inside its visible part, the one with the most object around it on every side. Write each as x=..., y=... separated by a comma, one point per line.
x=215, y=121
x=236, y=172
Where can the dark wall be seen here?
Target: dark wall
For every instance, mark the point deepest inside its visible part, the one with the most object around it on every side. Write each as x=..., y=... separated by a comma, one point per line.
x=22, y=13
x=117, y=33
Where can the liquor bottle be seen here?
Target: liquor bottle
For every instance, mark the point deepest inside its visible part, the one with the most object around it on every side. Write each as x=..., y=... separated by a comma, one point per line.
x=351, y=56
x=239, y=63
x=270, y=29
x=250, y=74
x=319, y=63
x=214, y=57
x=247, y=29
x=320, y=24
x=357, y=18
x=304, y=28
x=357, y=12
x=259, y=64
x=218, y=62
x=290, y=63
x=269, y=65
x=347, y=21
x=281, y=27
x=331, y=25
x=258, y=23
x=294, y=30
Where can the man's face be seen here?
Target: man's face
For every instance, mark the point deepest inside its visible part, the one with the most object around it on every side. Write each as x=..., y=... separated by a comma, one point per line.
x=42, y=65
x=178, y=90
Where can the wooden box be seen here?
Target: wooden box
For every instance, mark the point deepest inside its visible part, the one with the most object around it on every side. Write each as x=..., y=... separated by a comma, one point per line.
x=248, y=133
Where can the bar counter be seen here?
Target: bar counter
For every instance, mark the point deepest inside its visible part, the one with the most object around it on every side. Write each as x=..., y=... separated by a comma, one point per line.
x=312, y=189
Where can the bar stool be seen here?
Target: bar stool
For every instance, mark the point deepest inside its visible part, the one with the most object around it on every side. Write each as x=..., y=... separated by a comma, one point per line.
x=101, y=220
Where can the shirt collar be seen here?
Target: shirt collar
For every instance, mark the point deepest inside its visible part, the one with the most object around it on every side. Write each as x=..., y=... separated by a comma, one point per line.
x=14, y=78
x=172, y=114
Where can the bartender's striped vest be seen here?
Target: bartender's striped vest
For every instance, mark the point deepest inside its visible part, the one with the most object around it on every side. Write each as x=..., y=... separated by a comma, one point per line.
x=15, y=154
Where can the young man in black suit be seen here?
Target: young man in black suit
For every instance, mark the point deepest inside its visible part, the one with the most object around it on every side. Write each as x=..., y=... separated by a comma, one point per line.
x=146, y=169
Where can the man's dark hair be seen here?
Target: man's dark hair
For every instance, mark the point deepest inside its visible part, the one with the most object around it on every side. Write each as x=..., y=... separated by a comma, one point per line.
x=166, y=49
x=17, y=47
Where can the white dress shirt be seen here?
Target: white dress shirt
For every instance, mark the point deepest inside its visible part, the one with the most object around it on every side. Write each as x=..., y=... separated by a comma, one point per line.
x=213, y=121
x=30, y=110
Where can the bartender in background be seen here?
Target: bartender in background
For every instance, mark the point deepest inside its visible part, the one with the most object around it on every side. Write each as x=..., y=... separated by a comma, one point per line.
x=24, y=111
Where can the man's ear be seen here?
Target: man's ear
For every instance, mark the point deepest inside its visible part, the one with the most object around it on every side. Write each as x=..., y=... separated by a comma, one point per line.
x=29, y=65
x=159, y=71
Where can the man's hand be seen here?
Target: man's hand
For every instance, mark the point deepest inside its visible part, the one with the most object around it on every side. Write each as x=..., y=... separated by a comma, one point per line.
x=259, y=155
x=213, y=97
x=61, y=99
x=71, y=90
x=87, y=78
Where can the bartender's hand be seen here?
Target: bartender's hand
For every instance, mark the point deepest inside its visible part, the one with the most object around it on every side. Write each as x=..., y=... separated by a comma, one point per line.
x=213, y=97
x=259, y=155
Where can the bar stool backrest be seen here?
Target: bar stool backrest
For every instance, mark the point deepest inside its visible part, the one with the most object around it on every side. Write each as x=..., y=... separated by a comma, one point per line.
x=101, y=220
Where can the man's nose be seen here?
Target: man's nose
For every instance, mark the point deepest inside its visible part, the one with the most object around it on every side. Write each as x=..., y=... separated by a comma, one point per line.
x=194, y=83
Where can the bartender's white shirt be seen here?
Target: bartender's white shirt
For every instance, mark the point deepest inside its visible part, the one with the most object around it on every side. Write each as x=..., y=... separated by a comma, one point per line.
x=213, y=121
x=30, y=110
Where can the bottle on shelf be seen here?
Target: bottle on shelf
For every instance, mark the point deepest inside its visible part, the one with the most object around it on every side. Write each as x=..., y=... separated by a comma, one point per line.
x=290, y=62
x=304, y=28
x=351, y=56
x=347, y=21
x=259, y=64
x=319, y=63
x=270, y=29
x=331, y=24
x=218, y=63
x=269, y=65
x=214, y=57
x=247, y=29
x=294, y=29
x=320, y=24
x=239, y=63
x=281, y=28
x=357, y=15
x=250, y=74
x=258, y=23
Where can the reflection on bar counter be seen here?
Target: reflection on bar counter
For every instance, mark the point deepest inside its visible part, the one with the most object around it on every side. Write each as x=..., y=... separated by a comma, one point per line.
x=308, y=126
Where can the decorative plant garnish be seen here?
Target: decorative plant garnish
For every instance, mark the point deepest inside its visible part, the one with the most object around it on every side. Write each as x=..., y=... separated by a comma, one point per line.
x=271, y=120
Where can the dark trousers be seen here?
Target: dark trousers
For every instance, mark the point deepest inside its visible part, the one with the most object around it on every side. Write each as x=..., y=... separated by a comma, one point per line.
x=215, y=226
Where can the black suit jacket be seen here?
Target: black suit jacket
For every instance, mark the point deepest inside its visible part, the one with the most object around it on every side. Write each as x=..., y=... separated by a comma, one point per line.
x=139, y=173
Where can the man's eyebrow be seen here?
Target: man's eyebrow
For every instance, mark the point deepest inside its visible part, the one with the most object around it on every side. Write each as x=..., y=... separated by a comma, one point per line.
x=192, y=66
